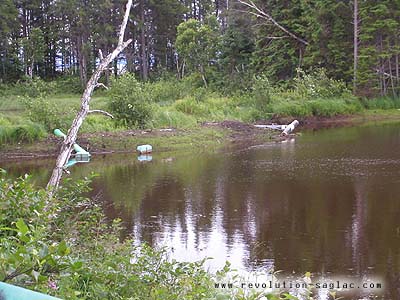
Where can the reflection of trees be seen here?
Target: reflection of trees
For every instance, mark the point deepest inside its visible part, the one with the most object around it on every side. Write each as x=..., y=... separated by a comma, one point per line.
x=292, y=205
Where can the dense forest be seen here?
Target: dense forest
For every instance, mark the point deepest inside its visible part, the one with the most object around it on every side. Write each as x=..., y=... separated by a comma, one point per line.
x=224, y=42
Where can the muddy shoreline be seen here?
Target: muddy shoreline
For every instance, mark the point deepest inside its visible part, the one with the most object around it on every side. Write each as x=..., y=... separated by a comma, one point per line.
x=102, y=143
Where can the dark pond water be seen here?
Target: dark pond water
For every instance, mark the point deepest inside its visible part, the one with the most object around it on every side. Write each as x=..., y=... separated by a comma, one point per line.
x=327, y=202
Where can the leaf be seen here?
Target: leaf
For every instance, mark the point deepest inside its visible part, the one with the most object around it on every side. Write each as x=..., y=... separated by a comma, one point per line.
x=63, y=249
x=77, y=265
x=22, y=227
x=290, y=297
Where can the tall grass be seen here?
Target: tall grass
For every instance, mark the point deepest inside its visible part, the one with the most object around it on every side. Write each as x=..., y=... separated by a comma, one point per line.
x=185, y=103
x=382, y=103
x=168, y=117
x=27, y=133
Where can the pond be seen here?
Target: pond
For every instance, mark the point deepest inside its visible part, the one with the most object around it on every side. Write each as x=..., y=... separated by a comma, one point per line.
x=327, y=202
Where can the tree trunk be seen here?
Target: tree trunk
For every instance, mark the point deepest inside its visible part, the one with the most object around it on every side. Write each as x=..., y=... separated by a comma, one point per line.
x=70, y=139
x=143, y=56
x=82, y=62
x=355, y=44
x=203, y=76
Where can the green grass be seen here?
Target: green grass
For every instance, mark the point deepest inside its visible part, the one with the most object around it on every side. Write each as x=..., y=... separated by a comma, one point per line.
x=199, y=138
x=27, y=133
x=382, y=103
x=174, y=105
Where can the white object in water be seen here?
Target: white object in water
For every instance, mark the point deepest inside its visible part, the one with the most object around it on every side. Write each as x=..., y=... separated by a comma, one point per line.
x=143, y=149
x=272, y=126
x=289, y=128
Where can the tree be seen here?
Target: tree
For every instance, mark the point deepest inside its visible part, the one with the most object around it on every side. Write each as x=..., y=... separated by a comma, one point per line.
x=34, y=48
x=355, y=44
x=197, y=44
x=69, y=141
x=8, y=25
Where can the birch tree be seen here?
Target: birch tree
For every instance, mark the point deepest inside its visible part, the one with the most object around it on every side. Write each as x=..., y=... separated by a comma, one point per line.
x=69, y=141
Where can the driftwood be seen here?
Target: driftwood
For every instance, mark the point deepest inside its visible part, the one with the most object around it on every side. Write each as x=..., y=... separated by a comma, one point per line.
x=259, y=13
x=69, y=141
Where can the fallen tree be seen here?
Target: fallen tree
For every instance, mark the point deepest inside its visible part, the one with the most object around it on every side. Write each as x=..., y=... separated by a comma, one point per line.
x=69, y=141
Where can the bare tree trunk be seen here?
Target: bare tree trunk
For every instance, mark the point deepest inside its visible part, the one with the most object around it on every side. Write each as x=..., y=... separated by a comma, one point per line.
x=143, y=54
x=70, y=139
x=391, y=77
x=203, y=76
x=355, y=44
x=382, y=66
x=82, y=61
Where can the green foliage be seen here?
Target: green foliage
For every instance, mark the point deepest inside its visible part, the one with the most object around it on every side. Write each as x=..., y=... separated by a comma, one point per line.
x=46, y=112
x=34, y=88
x=27, y=256
x=171, y=118
x=164, y=91
x=98, y=123
x=382, y=103
x=130, y=103
x=262, y=93
x=34, y=47
x=197, y=43
x=317, y=84
x=27, y=133
x=65, y=247
x=316, y=107
x=37, y=87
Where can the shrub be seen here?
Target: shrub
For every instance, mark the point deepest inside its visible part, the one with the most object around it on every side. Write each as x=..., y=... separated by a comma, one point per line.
x=43, y=111
x=262, y=93
x=35, y=87
x=68, y=85
x=164, y=91
x=97, y=123
x=130, y=103
x=68, y=250
x=317, y=84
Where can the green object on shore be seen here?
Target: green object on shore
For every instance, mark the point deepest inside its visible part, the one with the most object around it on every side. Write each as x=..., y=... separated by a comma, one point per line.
x=78, y=149
x=81, y=154
x=59, y=133
x=12, y=292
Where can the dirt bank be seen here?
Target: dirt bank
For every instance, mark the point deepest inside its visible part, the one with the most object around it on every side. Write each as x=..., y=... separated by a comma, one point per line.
x=209, y=134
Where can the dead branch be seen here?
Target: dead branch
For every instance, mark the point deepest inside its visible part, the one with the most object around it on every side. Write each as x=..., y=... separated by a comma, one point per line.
x=69, y=141
x=99, y=111
x=258, y=12
x=102, y=85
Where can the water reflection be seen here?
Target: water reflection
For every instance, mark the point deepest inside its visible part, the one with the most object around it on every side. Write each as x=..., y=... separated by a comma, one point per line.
x=326, y=202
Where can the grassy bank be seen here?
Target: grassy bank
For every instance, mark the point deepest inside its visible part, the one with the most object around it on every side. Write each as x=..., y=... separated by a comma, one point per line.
x=65, y=247
x=29, y=111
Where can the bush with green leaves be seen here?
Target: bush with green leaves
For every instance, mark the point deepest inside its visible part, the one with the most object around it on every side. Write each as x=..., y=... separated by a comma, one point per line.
x=35, y=87
x=43, y=111
x=164, y=91
x=262, y=93
x=130, y=103
x=316, y=84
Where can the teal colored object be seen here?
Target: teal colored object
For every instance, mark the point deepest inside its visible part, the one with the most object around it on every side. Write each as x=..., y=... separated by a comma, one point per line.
x=12, y=292
x=59, y=133
x=81, y=154
x=144, y=149
x=69, y=164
